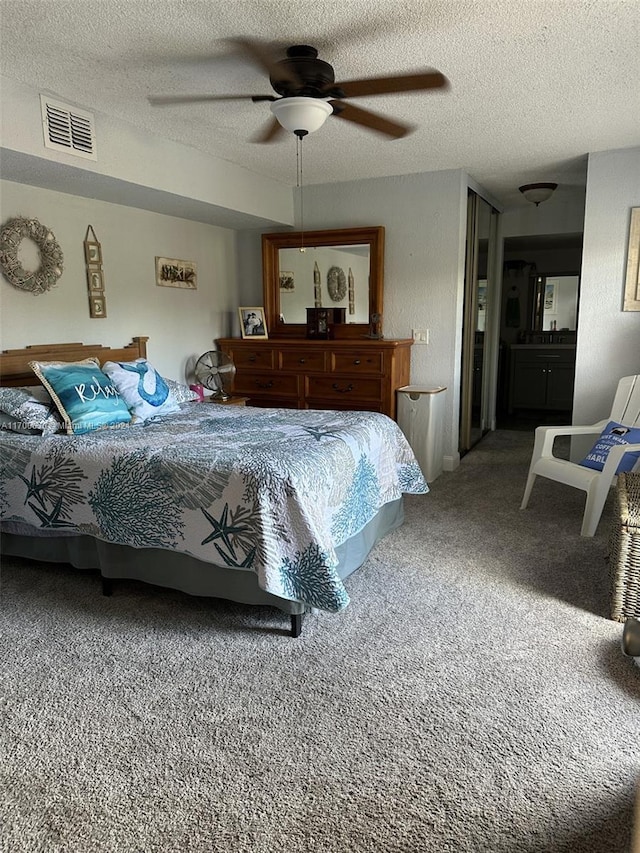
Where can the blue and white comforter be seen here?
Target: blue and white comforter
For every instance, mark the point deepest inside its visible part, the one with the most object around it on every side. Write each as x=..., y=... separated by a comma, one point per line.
x=268, y=490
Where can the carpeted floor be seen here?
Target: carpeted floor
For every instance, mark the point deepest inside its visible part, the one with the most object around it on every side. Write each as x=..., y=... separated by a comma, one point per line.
x=473, y=697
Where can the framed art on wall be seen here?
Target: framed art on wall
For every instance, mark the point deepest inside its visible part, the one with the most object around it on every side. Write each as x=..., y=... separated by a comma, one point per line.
x=95, y=274
x=97, y=306
x=172, y=272
x=92, y=252
x=632, y=280
x=95, y=280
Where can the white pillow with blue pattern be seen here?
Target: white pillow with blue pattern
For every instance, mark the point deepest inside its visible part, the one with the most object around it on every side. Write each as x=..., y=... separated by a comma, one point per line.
x=145, y=393
x=29, y=411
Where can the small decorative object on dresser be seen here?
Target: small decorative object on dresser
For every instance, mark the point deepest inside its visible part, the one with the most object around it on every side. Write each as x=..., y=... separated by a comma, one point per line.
x=252, y=323
x=320, y=321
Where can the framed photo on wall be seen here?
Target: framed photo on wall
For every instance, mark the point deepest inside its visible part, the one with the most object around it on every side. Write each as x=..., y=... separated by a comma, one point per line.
x=92, y=252
x=97, y=305
x=252, y=323
x=95, y=280
x=632, y=280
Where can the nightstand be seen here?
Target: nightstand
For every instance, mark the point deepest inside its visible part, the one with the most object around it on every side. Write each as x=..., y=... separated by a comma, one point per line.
x=232, y=401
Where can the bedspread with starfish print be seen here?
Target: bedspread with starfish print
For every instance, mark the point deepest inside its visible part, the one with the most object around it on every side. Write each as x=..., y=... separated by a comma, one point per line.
x=271, y=491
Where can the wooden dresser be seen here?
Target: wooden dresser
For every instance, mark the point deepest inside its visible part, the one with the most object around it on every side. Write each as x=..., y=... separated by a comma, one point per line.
x=296, y=373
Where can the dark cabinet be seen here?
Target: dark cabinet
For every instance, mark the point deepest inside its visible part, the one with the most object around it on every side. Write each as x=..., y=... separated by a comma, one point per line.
x=542, y=377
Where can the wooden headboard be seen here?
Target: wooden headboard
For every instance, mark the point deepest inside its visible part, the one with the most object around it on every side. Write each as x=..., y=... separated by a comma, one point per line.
x=14, y=363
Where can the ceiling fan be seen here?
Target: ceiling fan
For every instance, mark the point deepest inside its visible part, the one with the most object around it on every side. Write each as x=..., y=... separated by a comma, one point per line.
x=308, y=92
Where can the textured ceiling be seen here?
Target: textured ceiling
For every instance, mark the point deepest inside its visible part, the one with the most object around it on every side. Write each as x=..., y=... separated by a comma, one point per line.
x=535, y=84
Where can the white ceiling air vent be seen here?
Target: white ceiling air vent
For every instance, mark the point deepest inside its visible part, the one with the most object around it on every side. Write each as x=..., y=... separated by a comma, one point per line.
x=68, y=129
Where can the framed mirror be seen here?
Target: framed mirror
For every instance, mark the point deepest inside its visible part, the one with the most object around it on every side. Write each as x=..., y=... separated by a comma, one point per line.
x=339, y=268
x=555, y=303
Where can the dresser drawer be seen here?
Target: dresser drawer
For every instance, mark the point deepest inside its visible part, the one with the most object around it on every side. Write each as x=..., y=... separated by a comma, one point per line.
x=260, y=357
x=355, y=363
x=543, y=354
x=343, y=389
x=346, y=405
x=302, y=360
x=270, y=384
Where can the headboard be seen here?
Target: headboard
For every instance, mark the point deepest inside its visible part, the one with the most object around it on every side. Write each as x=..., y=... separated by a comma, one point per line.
x=14, y=363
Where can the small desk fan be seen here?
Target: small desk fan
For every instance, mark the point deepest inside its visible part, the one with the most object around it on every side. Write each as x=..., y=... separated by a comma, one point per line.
x=215, y=370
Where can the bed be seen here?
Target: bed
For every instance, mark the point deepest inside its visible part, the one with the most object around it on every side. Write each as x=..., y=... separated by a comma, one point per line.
x=260, y=506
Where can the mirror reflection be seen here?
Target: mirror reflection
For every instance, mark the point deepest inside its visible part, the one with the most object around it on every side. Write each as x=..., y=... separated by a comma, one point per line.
x=555, y=306
x=339, y=268
x=324, y=277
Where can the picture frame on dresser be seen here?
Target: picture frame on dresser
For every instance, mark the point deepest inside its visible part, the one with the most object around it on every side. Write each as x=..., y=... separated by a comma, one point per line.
x=253, y=324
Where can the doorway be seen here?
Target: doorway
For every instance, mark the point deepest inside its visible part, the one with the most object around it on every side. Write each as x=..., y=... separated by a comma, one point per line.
x=539, y=307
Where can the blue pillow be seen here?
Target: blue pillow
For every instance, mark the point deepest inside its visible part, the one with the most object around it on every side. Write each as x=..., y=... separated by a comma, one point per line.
x=142, y=388
x=85, y=397
x=613, y=435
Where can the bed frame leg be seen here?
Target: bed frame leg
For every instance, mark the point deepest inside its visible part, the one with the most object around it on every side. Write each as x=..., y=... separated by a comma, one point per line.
x=296, y=624
x=107, y=586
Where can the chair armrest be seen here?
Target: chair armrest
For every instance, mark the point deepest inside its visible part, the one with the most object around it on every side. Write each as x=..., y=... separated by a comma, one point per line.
x=614, y=458
x=546, y=435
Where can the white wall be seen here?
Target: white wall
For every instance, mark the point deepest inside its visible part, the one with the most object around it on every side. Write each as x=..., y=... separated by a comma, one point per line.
x=425, y=220
x=563, y=213
x=608, y=337
x=137, y=159
x=180, y=323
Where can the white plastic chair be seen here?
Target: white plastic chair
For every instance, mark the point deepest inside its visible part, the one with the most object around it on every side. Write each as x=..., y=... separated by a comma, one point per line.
x=626, y=411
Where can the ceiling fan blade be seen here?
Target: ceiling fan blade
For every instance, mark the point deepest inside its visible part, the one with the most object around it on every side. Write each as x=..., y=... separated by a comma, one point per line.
x=371, y=120
x=271, y=131
x=164, y=100
x=262, y=56
x=393, y=84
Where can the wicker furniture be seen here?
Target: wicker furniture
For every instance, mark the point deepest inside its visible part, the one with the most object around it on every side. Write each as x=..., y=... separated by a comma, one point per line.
x=624, y=550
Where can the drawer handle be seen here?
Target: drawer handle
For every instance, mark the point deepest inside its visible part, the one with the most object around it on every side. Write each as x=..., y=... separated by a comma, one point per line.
x=342, y=390
x=356, y=361
x=252, y=358
x=301, y=360
x=264, y=385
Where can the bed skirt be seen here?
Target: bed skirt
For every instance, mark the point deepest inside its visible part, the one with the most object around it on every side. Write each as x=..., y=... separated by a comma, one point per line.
x=182, y=572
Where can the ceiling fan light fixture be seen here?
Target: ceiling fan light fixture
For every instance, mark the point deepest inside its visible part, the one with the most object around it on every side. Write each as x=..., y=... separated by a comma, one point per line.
x=537, y=193
x=299, y=114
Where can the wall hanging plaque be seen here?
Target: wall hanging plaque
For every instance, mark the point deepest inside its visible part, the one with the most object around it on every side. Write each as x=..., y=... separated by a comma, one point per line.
x=95, y=275
x=317, y=286
x=352, y=293
x=13, y=232
x=336, y=284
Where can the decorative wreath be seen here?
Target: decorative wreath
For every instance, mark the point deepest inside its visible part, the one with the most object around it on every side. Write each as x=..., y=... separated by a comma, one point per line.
x=51, y=257
x=336, y=284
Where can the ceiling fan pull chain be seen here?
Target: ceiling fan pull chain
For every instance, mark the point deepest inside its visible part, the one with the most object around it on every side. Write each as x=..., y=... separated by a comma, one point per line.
x=299, y=182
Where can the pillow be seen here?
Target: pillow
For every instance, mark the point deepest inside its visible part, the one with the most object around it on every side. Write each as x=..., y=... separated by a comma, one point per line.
x=141, y=387
x=182, y=393
x=85, y=397
x=29, y=411
x=613, y=435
